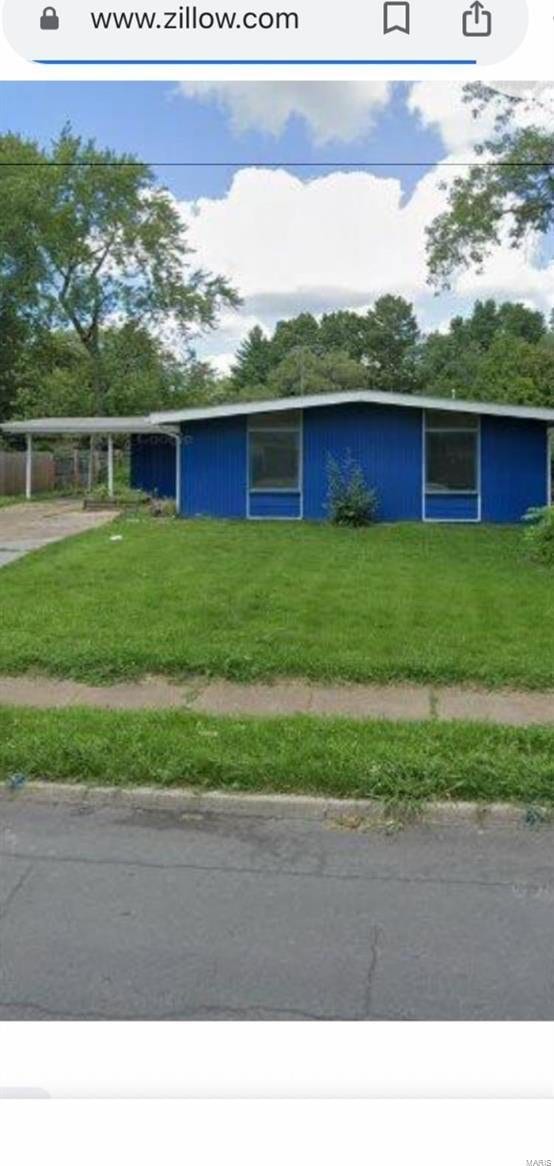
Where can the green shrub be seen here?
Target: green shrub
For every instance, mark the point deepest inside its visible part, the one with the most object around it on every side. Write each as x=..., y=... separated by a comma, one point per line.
x=123, y=494
x=349, y=500
x=540, y=535
x=163, y=508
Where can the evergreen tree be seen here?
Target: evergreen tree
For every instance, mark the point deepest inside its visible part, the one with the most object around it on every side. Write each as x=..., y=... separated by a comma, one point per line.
x=253, y=361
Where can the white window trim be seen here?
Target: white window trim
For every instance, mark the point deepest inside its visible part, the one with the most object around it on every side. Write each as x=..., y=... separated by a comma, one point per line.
x=425, y=493
x=298, y=490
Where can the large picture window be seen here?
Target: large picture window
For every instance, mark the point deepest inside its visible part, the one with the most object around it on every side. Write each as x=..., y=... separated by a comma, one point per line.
x=451, y=445
x=274, y=451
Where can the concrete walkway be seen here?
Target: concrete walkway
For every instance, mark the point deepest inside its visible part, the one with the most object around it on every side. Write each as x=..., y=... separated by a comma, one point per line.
x=26, y=526
x=226, y=698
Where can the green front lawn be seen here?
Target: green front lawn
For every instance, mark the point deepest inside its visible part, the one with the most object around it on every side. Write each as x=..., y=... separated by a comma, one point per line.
x=339, y=758
x=251, y=600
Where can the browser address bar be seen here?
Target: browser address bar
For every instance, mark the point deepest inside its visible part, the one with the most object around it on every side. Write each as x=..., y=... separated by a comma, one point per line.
x=305, y=32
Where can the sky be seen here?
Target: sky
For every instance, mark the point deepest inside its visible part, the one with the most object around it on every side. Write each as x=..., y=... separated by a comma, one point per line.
x=308, y=196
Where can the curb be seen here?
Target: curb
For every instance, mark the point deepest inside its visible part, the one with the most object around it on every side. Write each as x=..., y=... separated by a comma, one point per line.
x=351, y=813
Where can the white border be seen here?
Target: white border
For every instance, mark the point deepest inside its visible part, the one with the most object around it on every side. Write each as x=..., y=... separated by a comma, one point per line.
x=549, y=460
x=178, y=473
x=450, y=493
x=279, y=490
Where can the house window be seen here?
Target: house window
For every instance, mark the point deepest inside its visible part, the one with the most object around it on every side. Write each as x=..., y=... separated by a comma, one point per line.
x=274, y=451
x=451, y=448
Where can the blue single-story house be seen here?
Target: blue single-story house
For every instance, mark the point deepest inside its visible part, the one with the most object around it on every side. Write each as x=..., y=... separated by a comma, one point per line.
x=428, y=459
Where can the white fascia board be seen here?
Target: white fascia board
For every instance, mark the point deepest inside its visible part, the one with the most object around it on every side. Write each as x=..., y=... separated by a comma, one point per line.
x=156, y=422
x=80, y=426
x=403, y=400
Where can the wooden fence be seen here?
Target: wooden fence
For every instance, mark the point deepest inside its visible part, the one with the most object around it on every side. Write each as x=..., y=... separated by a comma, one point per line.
x=12, y=472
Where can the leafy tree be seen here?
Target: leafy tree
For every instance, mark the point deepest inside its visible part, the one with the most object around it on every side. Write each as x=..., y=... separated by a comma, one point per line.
x=13, y=338
x=448, y=367
x=489, y=320
x=509, y=193
x=300, y=332
x=515, y=372
x=518, y=320
x=346, y=331
x=392, y=345
x=54, y=378
x=452, y=363
x=90, y=237
x=304, y=371
x=201, y=385
x=253, y=360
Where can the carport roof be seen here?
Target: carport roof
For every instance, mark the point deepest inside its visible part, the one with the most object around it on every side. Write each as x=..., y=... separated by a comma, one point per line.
x=81, y=425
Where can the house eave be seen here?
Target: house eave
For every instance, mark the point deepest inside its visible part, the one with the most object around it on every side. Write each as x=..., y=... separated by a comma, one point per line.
x=320, y=400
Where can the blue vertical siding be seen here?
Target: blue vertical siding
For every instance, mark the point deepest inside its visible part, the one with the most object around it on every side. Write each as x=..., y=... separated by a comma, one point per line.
x=213, y=468
x=451, y=507
x=387, y=443
x=273, y=504
x=386, y=440
x=153, y=466
x=513, y=467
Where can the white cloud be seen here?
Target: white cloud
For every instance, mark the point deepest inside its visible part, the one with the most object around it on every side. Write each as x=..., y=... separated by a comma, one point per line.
x=440, y=106
x=339, y=241
x=222, y=362
x=343, y=238
x=332, y=110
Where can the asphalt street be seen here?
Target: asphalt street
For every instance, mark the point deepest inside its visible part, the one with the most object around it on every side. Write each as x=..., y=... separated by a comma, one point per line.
x=114, y=912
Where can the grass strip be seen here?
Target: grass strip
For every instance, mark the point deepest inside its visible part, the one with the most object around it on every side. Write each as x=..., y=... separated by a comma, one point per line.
x=300, y=754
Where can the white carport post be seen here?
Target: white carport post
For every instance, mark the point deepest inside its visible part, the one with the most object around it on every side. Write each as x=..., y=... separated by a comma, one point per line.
x=550, y=467
x=110, y=464
x=178, y=473
x=90, y=475
x=29, y=467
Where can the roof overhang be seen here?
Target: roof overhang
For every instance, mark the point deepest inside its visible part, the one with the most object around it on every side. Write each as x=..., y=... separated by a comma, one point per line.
x=363, y=396
x=168, y=422
x=82, y=426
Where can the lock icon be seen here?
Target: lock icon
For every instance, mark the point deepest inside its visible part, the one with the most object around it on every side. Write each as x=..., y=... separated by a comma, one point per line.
x=49, y=19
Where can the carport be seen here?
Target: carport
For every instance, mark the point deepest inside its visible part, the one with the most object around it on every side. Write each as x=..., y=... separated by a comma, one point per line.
x=95, y=428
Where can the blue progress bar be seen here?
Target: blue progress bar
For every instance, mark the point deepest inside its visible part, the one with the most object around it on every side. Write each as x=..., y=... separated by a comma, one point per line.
x=387, y=61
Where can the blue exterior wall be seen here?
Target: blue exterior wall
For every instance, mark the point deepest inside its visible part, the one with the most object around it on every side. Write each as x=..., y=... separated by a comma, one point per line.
x=271, y=504
x=452, y=507
x=213, y=468
x=513, y=467
x=387, y=443
x=153, y=466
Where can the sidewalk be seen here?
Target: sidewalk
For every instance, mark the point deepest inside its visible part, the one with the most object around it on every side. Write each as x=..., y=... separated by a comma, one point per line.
x=227, y=698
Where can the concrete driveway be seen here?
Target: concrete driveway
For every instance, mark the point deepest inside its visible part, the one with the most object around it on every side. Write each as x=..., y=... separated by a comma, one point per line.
x=111, y=911
x=29, y=525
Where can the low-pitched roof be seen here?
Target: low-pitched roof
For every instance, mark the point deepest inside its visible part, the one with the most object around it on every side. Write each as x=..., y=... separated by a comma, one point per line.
x=81, y=425
x=162, y=421
x=407, y=400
